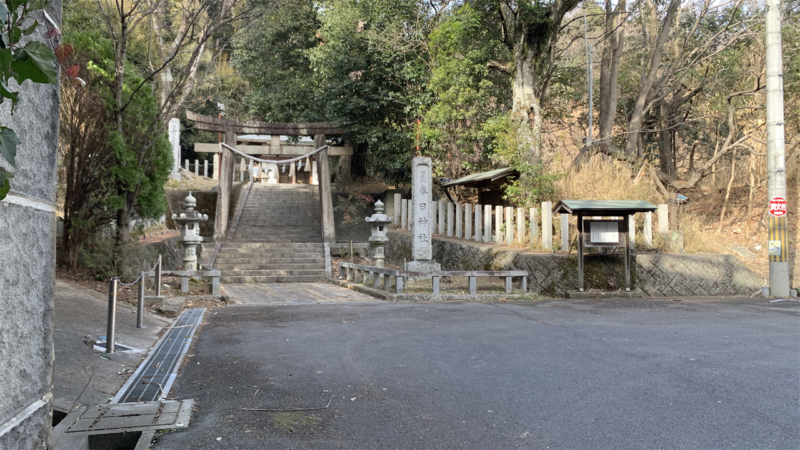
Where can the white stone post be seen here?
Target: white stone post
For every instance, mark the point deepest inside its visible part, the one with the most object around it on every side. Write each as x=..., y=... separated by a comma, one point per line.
x=404, y=214
x=663, y=218
x=520, y=226
x=186, y=163
x=175, y=141
x=215, y=169
x=450, y=218
x=459, y=219
x=197, y=167
x=509, y=225
x=534, y=226
x=648, y=229
x=565, y=233
x=487, y=223
x=441, y=218
x=205, y=168
x=632, y=230
x=241, y=169
x=498, y=224
x=478, y=217
x=468, y=221
x=421, y=203
x=547, y=225
x=396, y=210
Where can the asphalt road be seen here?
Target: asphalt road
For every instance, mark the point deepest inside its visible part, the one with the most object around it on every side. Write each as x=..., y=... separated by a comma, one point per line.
x=561, y=374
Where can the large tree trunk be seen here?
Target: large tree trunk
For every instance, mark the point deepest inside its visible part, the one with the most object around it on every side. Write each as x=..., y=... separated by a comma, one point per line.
x=665, y=147
x=609, y=68
x=526, y=111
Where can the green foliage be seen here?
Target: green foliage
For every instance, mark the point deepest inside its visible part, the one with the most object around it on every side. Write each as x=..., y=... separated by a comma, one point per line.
x=351, y=208
x=371, y=67
x=33, y=61
x=535, y=183
x=465, y=93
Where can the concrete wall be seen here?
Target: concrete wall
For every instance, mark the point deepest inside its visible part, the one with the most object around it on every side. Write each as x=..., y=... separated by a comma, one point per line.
x=656, y=275
x=27, y=278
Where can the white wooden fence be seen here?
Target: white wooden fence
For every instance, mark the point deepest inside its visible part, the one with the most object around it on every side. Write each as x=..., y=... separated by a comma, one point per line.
x=526, y=227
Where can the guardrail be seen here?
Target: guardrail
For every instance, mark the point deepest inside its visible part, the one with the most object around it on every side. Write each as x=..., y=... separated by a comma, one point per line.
x=359, y=273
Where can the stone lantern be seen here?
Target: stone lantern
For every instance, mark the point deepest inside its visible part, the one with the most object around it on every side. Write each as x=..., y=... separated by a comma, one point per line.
x=189, y=221
x=380, y=225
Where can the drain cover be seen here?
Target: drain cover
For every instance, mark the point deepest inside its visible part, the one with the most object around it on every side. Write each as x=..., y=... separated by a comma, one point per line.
x=101, y=346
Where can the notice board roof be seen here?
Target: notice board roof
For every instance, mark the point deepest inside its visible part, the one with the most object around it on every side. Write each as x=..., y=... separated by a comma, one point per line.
x=484, y=178
x=602, y=207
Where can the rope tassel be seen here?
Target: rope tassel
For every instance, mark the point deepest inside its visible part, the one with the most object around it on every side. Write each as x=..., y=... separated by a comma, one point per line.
x=291, y=171
x=308, y=164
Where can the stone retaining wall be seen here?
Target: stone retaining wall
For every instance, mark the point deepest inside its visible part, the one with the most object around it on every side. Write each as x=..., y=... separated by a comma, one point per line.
x=656, y=275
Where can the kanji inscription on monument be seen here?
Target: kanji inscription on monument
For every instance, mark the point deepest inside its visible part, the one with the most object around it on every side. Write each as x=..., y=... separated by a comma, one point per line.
x=421, y=249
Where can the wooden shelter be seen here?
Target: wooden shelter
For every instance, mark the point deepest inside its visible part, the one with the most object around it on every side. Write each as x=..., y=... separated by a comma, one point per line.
x=605, y=229
x=489, y=185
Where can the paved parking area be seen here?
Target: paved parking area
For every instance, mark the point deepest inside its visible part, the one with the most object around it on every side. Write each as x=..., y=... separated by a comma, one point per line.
x=635, y=374
x=292, y=293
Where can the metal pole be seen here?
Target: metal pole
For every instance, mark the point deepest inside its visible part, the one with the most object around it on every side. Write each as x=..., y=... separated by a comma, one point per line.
x=140, y=303
x=776, y=160
x=112, y=314
x=158, y=276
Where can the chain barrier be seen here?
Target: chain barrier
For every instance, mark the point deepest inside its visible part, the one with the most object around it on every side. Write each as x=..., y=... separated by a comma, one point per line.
x=113, y=286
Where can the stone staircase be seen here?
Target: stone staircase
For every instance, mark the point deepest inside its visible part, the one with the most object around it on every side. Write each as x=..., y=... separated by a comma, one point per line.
x=278, y=238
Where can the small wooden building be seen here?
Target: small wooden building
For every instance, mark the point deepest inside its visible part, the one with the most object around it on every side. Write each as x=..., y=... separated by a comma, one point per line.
x=489, y=185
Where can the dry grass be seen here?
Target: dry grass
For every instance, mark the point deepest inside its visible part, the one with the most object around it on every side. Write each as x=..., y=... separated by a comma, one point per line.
x=190, y=182
x=602, y=178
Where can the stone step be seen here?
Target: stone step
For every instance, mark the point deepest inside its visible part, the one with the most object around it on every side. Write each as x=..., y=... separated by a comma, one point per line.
x=288, y=265
x=254, y=237
x=292, y=245
x=272, y=253
x=271, y=279
x=319, y=261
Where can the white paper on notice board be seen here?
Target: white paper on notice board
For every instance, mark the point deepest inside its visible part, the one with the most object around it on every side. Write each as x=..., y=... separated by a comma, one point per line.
x=605, y=232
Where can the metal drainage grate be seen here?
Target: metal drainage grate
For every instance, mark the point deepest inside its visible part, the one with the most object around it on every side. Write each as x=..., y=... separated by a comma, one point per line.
x=153, y=379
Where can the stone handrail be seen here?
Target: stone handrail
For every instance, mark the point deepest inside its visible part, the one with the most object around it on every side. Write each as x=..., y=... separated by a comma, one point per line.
x=360, y=273
x=214, y=274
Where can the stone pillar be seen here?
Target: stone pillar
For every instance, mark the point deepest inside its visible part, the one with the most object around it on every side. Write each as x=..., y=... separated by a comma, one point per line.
x=421, y=203
x=396, y=206
x=478, y=217
x=468, y=221
x=215, y=170
x=632, y=230
x=547, y=225
x=197, y=167
x=487, y=223
x=225, y=187
x=648, y=229
x=186, y=163
x=498, y=224
x=175, y=142
x=242, y=165
x=509, y=225
x=663, y=218
x=534, y=226
x=520, y=226
x=459, y=219
x=449, y=219
x=205, y=168
x=441, y=218
x=326, y=201
x=404, y=214
x=28, y=248
x=565, y=233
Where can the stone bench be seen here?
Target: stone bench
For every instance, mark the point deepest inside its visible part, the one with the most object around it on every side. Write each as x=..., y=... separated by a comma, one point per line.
x=359, y=273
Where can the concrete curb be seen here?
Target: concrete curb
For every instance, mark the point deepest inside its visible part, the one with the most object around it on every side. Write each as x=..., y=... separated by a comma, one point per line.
x=383, y=295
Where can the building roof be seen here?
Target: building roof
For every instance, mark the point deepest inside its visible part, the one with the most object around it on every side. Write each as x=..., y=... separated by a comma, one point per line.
x=602, y=207
x=492, y=177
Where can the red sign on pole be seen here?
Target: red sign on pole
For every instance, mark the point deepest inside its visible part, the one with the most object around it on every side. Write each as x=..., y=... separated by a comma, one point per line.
x=777, y=206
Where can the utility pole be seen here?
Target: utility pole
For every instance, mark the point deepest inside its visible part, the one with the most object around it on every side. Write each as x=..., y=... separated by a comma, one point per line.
x=776, y=160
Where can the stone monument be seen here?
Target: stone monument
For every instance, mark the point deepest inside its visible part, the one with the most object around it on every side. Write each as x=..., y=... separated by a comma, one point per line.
x=380, y=225
x=421, y=204
x=175, y=142
x=189, y=220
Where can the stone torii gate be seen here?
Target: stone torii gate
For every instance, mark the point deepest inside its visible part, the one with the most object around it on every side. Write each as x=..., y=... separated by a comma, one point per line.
x=231, y=127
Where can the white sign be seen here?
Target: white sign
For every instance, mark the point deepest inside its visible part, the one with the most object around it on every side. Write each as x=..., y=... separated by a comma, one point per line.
x=605, y=232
